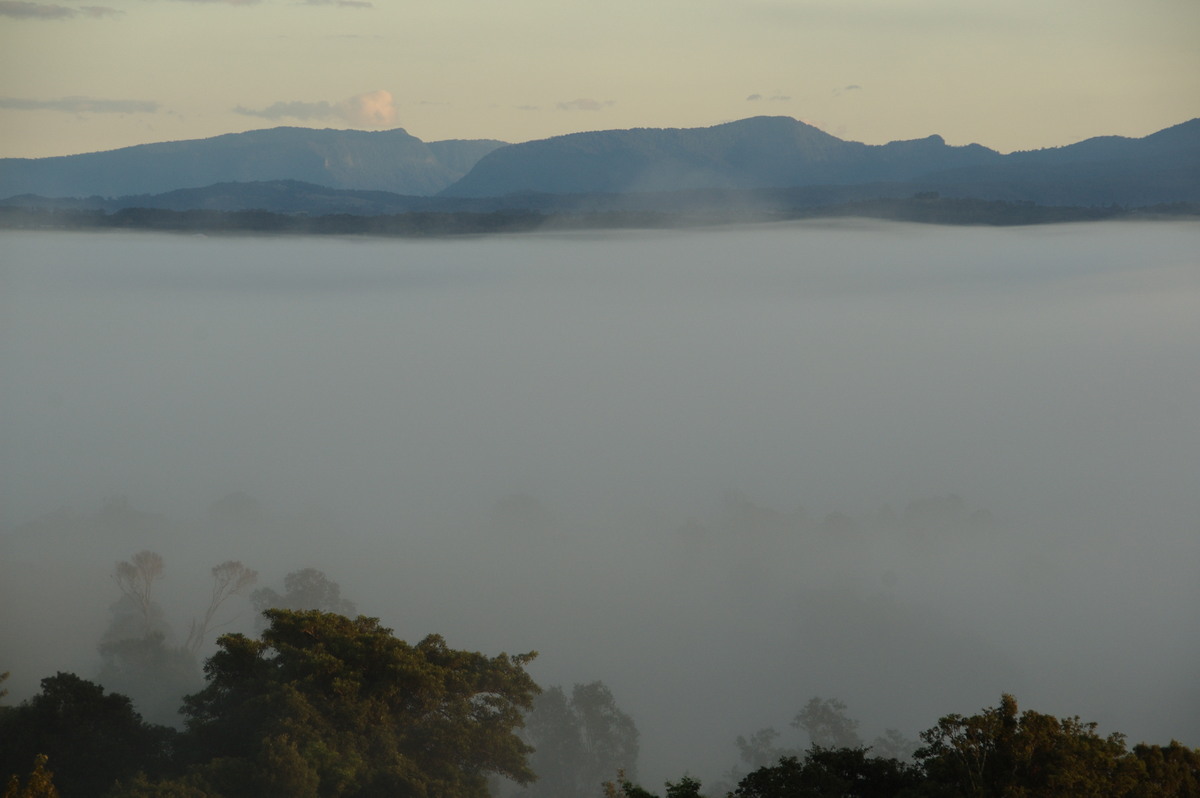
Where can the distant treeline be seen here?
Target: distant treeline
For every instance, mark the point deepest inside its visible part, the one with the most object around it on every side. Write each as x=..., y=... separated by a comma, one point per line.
x=922, y=208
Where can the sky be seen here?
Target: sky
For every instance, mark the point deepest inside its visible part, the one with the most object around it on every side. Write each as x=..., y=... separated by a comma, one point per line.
x=1009, y=74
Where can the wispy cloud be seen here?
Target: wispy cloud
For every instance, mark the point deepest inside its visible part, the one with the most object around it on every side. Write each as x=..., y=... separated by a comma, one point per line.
x=24, y=10
x=290, y=110
x=81, y=105
x=341, y=3
x=774, y=98
x=373, y=109
x=583, y=104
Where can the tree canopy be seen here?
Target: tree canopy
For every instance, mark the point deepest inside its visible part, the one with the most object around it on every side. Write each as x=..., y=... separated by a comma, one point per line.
x=326, y=705
x=91, y=738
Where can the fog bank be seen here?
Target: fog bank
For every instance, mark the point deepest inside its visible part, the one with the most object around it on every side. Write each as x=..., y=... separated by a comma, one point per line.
x=721, y=470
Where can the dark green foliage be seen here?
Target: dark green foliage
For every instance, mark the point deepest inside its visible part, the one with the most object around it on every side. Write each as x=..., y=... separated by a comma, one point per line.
x=92, y=738
x=1171, y=770
x=325, y=705
x=831, y=773
x=999, y=752
x=624, y=788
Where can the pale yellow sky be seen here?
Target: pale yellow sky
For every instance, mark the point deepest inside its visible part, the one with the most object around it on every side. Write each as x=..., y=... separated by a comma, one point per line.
x=1009, y=74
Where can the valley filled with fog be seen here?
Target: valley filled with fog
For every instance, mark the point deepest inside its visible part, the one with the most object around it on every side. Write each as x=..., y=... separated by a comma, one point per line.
x=722, y=470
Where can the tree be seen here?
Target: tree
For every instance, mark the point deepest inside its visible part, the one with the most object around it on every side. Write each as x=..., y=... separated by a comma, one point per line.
x=579, y=742
x=552, y=728
x=137, y=658
x=686, y=787
x=135, y=578
x=759, y=749
x=230, y=578
x=93, y=738
x=831, y=773
x=39, y=785
x=155, y=675
x=610, y=737
x=306, y=589
x=826, y=723
x=893, y=744
x=999, y=752
x=326, y=705
x=1169, y=770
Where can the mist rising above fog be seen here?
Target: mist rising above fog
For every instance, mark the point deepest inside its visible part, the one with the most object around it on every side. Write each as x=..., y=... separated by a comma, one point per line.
x=721, y=470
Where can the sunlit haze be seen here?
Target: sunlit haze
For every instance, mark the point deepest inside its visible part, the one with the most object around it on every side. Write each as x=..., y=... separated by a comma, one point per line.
x=1012, y=75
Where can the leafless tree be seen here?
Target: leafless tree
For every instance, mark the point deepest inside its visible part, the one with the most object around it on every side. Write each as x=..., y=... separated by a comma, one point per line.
x=230, y=578
x=136, y=577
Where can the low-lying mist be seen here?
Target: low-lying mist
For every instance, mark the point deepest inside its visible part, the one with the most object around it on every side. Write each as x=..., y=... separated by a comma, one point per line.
x=723, y=471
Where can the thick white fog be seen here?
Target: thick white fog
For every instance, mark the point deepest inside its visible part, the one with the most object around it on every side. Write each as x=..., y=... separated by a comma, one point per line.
x=723, y=471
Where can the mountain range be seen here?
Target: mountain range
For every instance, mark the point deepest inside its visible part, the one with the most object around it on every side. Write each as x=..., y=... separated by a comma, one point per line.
x=776, y=159
x=389, y=160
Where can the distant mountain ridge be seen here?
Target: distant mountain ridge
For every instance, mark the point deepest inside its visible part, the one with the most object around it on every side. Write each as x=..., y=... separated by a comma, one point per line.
x=296, y=170
x=389, y=160
x=759, y=152
x=780, y=152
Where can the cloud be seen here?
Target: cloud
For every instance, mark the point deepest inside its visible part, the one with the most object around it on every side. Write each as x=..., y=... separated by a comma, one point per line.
x=99, y=11
x=21, y=10
x=583, y=104
x=373, y=109
x=754, y=97
x=774, y=98
x=227, y=2
x=844, y=89
x=340, y=3
x=290, y=110
x=81, y=105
